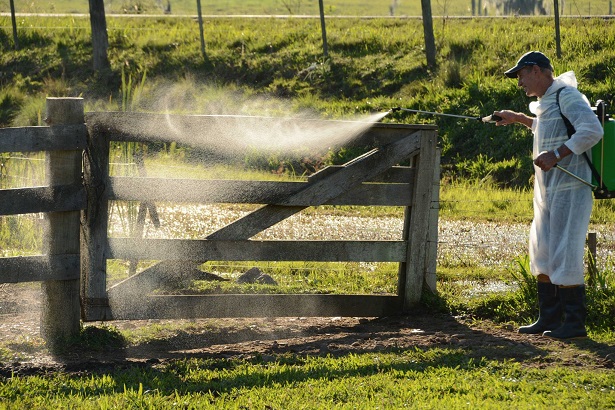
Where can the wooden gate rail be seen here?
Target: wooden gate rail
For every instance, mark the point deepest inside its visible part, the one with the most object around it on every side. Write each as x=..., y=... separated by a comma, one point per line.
x=260, y=305
x=251, y=250
x=394, y=191
x=371, y=179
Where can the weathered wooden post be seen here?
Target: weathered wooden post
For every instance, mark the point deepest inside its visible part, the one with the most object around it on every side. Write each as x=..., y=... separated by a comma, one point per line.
x=592, y=243
x=94, y=228
x=416, y=225
x=432, y=236
x=60, y=314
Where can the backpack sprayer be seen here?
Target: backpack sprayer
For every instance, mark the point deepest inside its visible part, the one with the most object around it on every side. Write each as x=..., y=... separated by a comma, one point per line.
x=603, y=173
x=603, y=170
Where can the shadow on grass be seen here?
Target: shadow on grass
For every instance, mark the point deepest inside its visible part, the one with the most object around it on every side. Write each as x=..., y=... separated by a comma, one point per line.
x=270, y=338
x=422, y=341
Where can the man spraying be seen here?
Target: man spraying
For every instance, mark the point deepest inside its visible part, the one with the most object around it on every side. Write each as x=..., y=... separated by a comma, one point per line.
x=562, y=205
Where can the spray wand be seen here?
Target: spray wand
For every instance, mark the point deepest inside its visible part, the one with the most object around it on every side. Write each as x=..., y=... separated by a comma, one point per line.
x=493, y=118
x=578, y=178
x=490, y=118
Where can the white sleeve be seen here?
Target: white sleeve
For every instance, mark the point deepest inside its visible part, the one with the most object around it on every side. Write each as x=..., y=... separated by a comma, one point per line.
x=588, y=130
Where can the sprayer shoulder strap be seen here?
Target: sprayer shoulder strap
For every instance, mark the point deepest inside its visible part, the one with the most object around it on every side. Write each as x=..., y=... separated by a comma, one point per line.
x=571, y=130
x=569, y=127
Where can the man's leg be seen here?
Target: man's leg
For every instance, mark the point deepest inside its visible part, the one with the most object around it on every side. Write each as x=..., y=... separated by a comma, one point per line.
x=572, y=300
x=549, y=309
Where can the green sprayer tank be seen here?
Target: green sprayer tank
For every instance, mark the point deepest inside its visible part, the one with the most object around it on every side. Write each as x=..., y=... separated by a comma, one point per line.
x=603, y=156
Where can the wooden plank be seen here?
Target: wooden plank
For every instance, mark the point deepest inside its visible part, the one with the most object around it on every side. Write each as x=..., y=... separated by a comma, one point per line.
x=60, y=300
x=39, y=268
x=432, y=236
x=393, y=175
x=221, y=306
x=249, y=192
x=242, y=250
x=385, y=133
x=354, y=172
x=42, y=199
x=56, y=138
x=417, y=229
x=94, y=227
x=375, y=195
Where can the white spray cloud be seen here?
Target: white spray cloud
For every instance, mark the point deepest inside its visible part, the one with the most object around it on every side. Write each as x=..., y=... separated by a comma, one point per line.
x=231, y=122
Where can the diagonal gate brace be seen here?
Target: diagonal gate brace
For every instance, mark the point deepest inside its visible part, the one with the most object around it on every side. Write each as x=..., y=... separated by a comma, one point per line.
x=351, y=174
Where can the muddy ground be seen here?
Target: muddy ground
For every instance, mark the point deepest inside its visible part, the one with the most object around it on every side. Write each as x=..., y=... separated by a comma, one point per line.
x=24, y=351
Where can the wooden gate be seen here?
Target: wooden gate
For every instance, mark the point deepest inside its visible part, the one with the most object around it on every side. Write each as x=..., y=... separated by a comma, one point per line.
x=372, y=179
x=75, y=200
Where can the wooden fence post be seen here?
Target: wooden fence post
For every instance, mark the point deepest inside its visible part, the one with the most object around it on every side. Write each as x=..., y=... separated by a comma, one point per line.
x=416, y=229
x=60, y=314
x=432, y=237
x=94, y=228
x=592, y=243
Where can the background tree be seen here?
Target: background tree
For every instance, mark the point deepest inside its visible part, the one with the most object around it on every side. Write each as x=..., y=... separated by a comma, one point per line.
x=325, y=47
x=100, y=40
x=14, y=23
x=430, y=41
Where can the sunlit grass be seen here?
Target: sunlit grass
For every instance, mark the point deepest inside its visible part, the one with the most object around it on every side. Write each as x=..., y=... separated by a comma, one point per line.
x=305, y=277
x=435, y=378
x=483, y=201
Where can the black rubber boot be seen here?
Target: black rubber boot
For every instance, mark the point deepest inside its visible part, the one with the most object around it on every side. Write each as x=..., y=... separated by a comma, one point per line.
x=549, y=310
x=575, y=312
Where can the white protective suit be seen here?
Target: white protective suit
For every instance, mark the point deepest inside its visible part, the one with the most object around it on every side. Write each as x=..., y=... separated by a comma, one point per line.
x=562, y=205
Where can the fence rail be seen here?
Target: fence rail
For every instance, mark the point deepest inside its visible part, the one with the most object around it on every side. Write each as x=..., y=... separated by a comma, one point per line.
x=39, y=268
x=51, y=138
x=396, y=192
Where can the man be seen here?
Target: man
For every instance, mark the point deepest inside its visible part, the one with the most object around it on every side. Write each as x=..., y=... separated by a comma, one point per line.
x=562, y=204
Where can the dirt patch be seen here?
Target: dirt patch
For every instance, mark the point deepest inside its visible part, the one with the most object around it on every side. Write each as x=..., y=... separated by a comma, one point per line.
x=270, y=337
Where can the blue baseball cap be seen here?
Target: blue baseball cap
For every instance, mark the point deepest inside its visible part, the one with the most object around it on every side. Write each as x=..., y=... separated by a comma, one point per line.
x=530, y=59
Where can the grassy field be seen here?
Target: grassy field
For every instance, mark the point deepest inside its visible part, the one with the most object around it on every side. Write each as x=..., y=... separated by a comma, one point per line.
x=434, y=379
x=256, y=65
x=276, y=67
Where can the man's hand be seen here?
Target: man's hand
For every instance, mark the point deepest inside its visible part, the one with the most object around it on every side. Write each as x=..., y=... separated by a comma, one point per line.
x=508, y=117
x=546, y=160
x=511, y=117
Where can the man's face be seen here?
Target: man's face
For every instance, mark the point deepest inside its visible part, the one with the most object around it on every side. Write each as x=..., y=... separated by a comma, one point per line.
x=527, y=78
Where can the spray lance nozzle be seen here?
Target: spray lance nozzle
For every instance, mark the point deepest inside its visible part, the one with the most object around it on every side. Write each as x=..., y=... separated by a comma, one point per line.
x=488, y=119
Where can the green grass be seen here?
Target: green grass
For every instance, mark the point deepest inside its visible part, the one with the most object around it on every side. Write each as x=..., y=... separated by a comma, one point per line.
x=254, y=65
x=305, y=277
x=481, y=201
x=437, y=378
